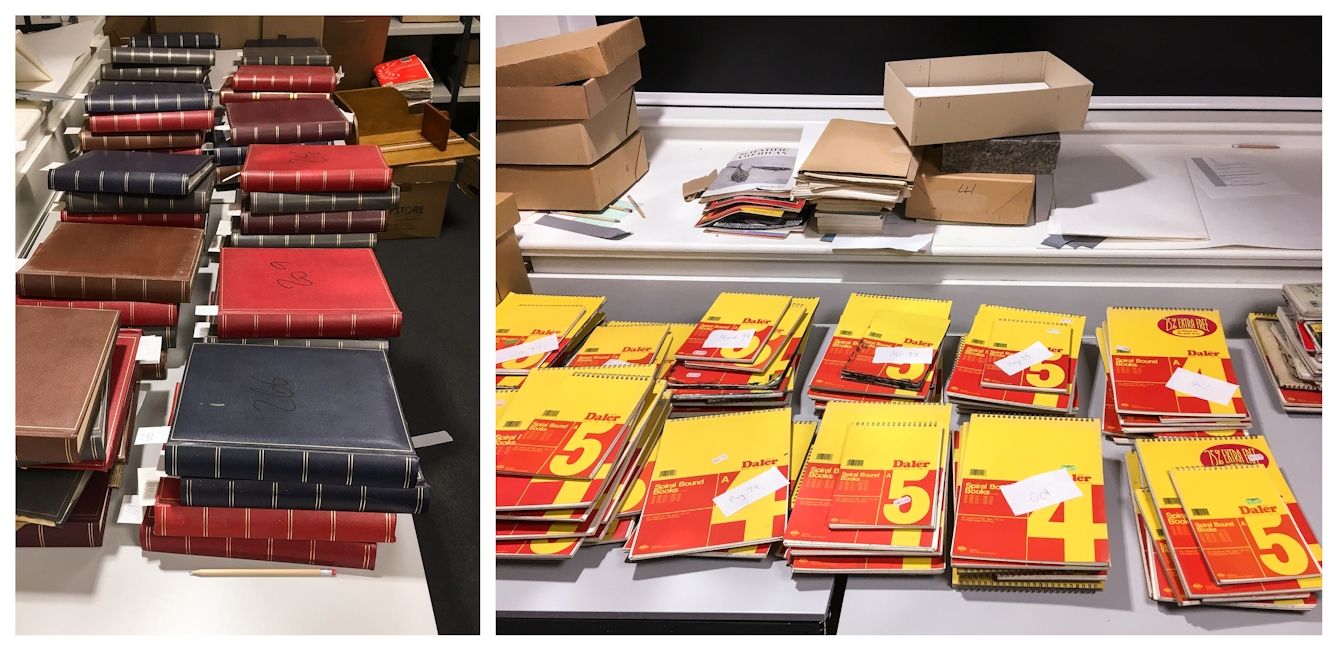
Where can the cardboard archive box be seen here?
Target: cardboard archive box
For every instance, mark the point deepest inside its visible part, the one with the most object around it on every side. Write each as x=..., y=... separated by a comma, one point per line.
x=424, y=189
x=571, y=57
x=970, y=198
x=569, y=102
x=511, y=275
x=573, y=187
x=563, y=142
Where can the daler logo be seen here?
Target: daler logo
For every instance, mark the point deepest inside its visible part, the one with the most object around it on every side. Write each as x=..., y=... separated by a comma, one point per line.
x=598, y=416
x=748, y=321
x=1233, y=454
x=909, y=464
x=762, y=463
x=1187, y=325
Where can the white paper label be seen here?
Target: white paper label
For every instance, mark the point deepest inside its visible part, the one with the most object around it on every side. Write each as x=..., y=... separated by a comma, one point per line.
x=720, y=458
x=51, y=166
x=1040, y=491
x=162, y=461
x=148, y=485
x=1024, y=359
x=73, y=131
x=132, y=512
x=201, y=330
x=20, y=145
x=526, y=349
x=221, y=127
x=763, y=485
x=616, y=362
x=1224, y=177
x=206, y=310
x=904, y=499
x=729, y=338
x=903, y=355
x=150, y=349
x=1201, y=386
x=1256, y=458
x=431, y=438
x=152, y=435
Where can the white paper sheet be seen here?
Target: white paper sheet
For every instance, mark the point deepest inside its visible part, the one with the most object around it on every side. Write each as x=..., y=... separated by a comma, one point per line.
x=60, y=50
x=1126, y=191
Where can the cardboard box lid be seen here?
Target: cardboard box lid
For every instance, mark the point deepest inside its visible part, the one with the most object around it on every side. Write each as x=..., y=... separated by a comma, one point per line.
x=868, y=148
x=567, y=142
x=435, y=172
x=576, y=187
x=962, y=114
x=507, y=213
x=572, y=102
x=381, y=117
x=570, y=57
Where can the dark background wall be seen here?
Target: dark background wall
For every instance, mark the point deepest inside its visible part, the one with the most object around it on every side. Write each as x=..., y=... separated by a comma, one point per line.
x=1185, y=56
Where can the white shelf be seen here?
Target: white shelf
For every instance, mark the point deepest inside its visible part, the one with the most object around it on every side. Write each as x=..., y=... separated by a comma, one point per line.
x=398, y=28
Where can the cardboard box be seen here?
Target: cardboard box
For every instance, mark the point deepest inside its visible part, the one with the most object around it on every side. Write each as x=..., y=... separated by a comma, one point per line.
x=473, y=50
x=511, y=275
x=969, y=109
x=565, y=58
x=562, y=187
x=580, y=142
x=571, y=102
x=424, y=189
x=356, y=44
x=472, y=72
x=233, y=31
x=120, y=28
x=469, y=177
x=970, y=198
x=381, y=117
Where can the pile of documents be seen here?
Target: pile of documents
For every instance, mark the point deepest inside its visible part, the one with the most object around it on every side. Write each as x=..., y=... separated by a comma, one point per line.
x=571, y=446
x=855, y=173
x=1015, y=360
x=1290, y=343
x=1030, y=505
x=751, y=196
x=1168, y=370
x=409, y=75
x=1217, y=524
x=537, y=331
x=743, y=354
x=872, y=495
x=885, y=349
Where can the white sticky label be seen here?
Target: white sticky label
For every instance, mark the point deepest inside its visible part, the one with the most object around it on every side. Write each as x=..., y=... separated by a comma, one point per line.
x=904, y=499
x=148, y=485
x=201, y=330
x=73, y=131
x=1201, y=386
x=150, y=349
x=763, y=485
x=221, y=127
x=51, y=166
x=903, y=355
x=152, y=435
x=431, y=438
x=616, y=362
x=720, y=458
x=132, y=512
x=526, y=349
x=1256, y=458
x=1023, y=359
x=694, y=374
x=729, y=338
x=206, y=310
x=1040, y=491
x=20, y=145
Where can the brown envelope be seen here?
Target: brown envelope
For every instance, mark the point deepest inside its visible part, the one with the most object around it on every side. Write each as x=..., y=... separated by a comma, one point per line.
x=971, y=198
x=866, y=148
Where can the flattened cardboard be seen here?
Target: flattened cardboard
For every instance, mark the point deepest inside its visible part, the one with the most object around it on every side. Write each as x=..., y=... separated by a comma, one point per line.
x=507, y=213
x=970, y=198
x=381, y=117
x=570, y=102
x=957, y=118
x=565, y=58
x=864, y=148
x=562, y=187
x=511, y=274
x=579, y=142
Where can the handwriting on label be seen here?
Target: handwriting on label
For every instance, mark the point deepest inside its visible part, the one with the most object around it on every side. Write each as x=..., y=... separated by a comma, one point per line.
x=1201, y=386
x=720, y=458
x=152, y=435
x=132, y=512
x=903, y=355
x=535, y=347
x=148, y=485
x=206, y=310
x=729, y=338
x=1024, y=359
x=763, y=485
x=276, y=394
x=1040, y=491
x=904, y=499
x=150, y=349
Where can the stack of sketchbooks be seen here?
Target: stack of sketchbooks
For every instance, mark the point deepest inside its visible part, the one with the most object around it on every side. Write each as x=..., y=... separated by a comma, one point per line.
x=316, y=298
x=1168, y=372
x=872, y=496
x=313, y=196
x=163, y=57
x=1291, y=342
x=1218, y=525
x=855, y=174
x=550, y=501
x=751, y=196
x=885, y=349
x=140, y=188
x=536, y=331
x=1030, y=505
x=142, y=272
x=164, y=116
x=408, y=75
x=77, y=387
x=298, y=455
x=743, y=354
x=1016, y=360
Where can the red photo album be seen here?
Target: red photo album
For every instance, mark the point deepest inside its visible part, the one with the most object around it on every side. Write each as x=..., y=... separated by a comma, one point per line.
x=315, y=168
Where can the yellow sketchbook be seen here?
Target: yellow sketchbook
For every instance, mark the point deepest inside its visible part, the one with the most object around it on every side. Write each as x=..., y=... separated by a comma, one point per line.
x=620, y=345
x=1010, y=336
x=890, y=476
x=1148, y=346
x=734, y=330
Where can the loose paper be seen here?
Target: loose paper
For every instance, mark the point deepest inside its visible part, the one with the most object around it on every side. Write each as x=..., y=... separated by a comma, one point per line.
x=1040, y=491
x=148, y=485
x=150, y=349
x=51, y=166
x=903, y=355
x=1023, y=359
x=73, y=131
x=763, y=485
x=431, y=438
x=201, y=329
x=527, y=349
x=152, y=435
x=132, y=512
x=910, y=243
x=602, y=232
x=729, y=338
x=1236, y=176
x=206, y=310
x=1201, y=386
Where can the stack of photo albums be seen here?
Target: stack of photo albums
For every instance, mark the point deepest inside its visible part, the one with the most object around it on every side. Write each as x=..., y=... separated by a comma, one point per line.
x=153, y=95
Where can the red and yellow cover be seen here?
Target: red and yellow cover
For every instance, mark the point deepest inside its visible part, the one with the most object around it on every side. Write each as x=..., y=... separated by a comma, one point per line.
x=704, y=457
x=731, y=311
x=522, y=324
x=868, y=565
x=1147, y=345
x=965, y=380
x=780, y=347
x=1242, y=525
x=1001, y=450
x=515, y=493
x=617, y=530
x=516, y=327
x=890, y=476
x=551, y=549
x=612, y=345
x=859, y=312
x=801, y=439
x=569, y=432
x=1182, y=552
x=636, y=495
x=890, y=329
x=1011, y=336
